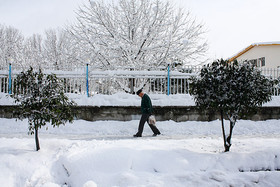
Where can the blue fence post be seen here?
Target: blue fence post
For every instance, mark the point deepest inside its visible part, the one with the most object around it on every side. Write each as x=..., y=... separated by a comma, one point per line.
x=10, y=79
x=168, y=79
x=87, y=80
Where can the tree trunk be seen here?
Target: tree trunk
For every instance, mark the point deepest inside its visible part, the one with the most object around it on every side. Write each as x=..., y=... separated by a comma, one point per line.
x=131, y=85
x=223, y=129
x=37, y=138
x=230, y=135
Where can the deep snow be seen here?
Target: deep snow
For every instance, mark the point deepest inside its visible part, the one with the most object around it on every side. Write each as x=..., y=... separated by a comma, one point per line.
x=103, y=153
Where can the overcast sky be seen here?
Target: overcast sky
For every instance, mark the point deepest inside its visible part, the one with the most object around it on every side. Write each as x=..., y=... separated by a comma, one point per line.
x=232, y=24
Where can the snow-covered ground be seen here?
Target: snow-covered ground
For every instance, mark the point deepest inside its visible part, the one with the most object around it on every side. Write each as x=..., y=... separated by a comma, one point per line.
x=125, y=99
x=104, y=154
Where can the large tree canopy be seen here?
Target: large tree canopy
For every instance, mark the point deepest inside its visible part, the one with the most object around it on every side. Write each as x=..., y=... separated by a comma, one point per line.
x=137, y=33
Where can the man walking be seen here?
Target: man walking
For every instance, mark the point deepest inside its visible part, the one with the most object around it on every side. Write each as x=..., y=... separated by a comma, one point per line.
x=146, y=109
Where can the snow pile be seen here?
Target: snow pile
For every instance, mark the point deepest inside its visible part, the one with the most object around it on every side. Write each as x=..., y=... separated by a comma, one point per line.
x=5, y=99
x=103, y=153
x=125, y=99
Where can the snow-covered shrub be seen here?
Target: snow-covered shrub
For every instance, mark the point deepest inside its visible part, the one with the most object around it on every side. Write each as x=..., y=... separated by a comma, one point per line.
x=41, y=99
x=234, y=89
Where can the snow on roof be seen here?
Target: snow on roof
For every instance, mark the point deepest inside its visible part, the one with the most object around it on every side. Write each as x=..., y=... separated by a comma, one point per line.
x=266, y=43
x=252, y=46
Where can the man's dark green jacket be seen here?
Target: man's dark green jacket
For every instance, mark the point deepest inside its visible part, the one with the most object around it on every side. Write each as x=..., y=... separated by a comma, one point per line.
x=146, y=105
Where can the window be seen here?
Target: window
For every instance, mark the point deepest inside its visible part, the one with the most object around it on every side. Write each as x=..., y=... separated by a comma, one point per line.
x=262, y=61
x=253, y=61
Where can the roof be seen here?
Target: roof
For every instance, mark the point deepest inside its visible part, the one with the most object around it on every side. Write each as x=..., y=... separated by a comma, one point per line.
x=252, y=46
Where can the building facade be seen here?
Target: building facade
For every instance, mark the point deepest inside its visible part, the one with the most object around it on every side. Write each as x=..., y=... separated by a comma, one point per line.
x=263, y=55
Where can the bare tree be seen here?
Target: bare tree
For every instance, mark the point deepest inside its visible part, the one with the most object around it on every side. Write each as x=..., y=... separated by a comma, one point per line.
x=11, y=41
x=33, y=51
x=137, y=33
x=60, y=50
x=54, y=50
x=54, y=46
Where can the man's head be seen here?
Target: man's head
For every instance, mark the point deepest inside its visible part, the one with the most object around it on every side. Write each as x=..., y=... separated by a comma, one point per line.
x=140, y=93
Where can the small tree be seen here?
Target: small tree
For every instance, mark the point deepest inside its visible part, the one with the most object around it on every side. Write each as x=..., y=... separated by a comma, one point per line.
x=234, y=89
x=41, y=100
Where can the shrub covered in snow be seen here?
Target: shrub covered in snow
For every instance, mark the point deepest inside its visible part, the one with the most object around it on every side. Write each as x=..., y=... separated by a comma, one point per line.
x=235, y=89
x=41, y=100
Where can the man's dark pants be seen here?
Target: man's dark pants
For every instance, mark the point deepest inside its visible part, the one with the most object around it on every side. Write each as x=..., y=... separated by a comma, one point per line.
x=145, y=118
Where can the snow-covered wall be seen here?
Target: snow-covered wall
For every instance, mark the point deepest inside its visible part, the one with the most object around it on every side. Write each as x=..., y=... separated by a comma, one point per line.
x=126, y=107
x=128, y=113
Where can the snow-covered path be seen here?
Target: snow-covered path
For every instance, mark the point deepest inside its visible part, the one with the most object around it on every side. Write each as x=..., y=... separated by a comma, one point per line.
x=103, y=153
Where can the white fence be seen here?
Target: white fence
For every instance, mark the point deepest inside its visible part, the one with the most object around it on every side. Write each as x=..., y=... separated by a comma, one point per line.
x=110, y=82
x=94, y=81
x=271, y=72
